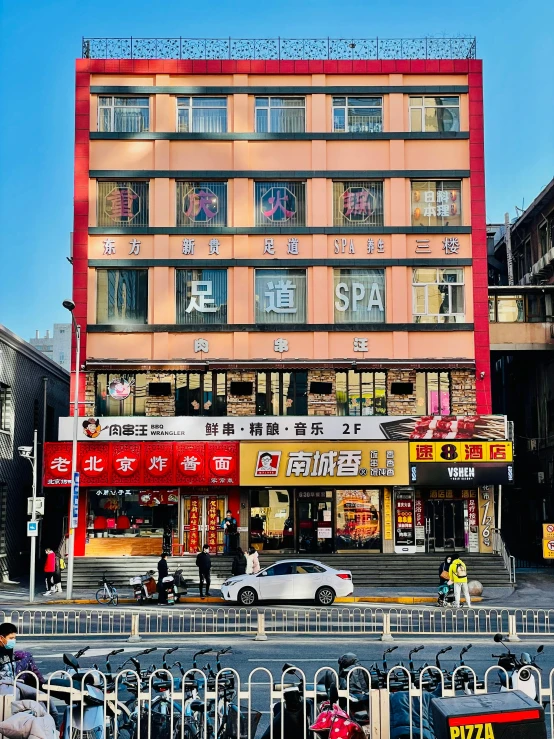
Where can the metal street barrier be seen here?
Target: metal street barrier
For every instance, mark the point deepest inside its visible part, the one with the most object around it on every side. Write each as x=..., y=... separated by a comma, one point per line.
x=155, y=704
x=385, y=623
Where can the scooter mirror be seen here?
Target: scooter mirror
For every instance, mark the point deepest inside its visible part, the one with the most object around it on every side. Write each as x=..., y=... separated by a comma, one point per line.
x=70, y=661
x=540, y=649
x=498, y=638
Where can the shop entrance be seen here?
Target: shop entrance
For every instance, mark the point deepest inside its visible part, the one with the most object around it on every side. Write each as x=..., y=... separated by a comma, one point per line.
x=200, y=522
x=315, y=518
x=445, y=525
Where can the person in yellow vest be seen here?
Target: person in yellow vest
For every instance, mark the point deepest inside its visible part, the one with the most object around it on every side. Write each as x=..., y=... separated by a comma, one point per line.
x=458, y=575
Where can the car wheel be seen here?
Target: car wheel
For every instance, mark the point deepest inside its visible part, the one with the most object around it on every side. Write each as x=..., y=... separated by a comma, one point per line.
x=247, y=597
x=325, y=596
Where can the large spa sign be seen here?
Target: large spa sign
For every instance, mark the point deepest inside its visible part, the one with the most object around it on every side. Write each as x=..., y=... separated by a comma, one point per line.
x=142, y=463
x=297, y=428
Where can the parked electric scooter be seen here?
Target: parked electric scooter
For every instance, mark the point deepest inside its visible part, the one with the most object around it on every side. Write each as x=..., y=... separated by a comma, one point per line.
x=145, y=588
x=520, y=676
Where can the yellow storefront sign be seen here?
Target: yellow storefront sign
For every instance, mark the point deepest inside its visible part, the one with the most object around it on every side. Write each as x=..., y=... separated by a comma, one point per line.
x=548, y=548
x=461, y=452
x=324, y=463
x=548, y=531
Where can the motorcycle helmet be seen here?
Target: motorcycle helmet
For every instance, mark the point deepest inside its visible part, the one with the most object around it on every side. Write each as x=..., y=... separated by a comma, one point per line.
x=347, y=660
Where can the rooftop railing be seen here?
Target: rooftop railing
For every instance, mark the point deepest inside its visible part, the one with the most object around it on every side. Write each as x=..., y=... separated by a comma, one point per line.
x=279, y=48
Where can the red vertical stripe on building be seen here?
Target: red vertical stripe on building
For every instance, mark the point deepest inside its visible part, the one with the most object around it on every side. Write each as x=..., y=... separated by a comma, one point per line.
x=479, y=239
x=81, y=211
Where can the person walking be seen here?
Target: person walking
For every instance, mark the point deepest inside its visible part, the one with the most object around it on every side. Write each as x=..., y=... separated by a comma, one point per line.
x=162, y=572
x=239, y=563
x=458, y=575
x=229, y=533
x=204, y=564
x=49, y=570
x=57, y=574
x=252, y=562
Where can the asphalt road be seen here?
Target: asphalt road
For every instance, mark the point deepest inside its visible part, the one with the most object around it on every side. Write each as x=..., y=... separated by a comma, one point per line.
x=309, y=652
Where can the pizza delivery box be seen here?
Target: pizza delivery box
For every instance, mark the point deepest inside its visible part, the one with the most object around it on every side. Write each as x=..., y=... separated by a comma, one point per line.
x=505, y=715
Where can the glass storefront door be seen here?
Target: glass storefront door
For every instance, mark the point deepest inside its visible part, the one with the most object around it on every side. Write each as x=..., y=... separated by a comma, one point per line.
x=195, y=521
x=271, y=520
x=315, y=521
x=358, y=520
x=446, y=524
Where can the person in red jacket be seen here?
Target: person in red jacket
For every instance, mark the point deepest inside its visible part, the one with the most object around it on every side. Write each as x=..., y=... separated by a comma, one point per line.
x=49, y=570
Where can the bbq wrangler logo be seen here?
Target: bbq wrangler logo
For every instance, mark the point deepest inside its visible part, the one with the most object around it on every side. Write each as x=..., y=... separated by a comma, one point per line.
x=472, y=731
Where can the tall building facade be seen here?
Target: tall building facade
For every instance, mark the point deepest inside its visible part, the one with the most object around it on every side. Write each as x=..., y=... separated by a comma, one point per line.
x=34, y=394
x=522, y=366
x=56, y=347
x=282, y=270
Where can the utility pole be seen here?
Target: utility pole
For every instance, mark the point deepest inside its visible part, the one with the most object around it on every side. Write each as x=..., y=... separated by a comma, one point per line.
x=509, y=261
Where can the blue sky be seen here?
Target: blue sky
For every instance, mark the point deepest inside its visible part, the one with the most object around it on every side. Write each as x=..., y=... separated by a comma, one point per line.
x=40, y=39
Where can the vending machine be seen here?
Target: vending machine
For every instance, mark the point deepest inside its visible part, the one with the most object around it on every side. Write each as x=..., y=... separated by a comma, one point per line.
x=404, y=521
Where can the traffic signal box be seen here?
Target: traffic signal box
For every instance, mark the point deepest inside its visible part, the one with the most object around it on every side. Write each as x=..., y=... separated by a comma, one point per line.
x=506, y=715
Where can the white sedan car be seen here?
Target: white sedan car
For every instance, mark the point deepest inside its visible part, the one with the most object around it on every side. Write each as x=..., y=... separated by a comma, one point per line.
x=289, y=580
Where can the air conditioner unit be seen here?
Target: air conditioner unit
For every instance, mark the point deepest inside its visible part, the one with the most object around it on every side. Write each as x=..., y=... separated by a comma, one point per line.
x=532, y=445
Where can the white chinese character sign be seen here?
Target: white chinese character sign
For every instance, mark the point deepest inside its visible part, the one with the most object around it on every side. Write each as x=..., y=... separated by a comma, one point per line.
x=201, y=296
x=280, y=296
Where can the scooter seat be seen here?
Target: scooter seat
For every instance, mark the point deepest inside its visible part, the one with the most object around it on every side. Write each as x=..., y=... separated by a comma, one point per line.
x=361, y=717
x=197, y=706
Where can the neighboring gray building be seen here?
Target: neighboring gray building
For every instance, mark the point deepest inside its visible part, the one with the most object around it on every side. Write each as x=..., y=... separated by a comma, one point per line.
x=56, y=347
x=34, y=393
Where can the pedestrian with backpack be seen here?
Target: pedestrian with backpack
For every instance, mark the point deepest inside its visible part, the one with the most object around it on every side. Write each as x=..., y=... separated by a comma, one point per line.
x=458, y=575
x=49, y=570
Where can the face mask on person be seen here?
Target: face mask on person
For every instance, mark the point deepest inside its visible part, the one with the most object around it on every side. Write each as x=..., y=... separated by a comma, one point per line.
x=10, y=643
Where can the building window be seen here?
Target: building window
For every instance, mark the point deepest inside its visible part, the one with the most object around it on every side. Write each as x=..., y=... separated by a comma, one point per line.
x=123, y=115
x=433, y=393
x=62, y=357
x=200, y=394
x=201, y=296
x=280, y=115
x=280, y=203
x=5, y=407
x=122, y=204
x=282, y=393
x=201, y=115
x=359, y=295
x=361, y=393
x=437, y=203
x=357, y=114
x=201, y=203
x=121, y=394
x=358, y=204
x=280, y=296
x=122, y=296
x=438, y=295
x=438, y=114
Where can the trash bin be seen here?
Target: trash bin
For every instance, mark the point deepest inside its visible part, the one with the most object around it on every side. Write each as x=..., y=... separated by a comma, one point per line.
x=505, y=715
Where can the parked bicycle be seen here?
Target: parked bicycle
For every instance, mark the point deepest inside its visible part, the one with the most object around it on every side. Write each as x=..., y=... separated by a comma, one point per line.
x=107, y=595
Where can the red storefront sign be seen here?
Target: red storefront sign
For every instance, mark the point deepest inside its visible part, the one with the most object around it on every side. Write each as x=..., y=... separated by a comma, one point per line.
x=194, y=519
x=133, y=463
x=57, y=464
x=212, y=523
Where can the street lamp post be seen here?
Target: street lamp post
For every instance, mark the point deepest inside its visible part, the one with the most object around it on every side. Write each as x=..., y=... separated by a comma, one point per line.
x=70, y=306
x=30, y=453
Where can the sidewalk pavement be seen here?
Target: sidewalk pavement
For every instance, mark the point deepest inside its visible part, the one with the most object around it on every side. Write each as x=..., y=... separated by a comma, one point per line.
x=534, y=589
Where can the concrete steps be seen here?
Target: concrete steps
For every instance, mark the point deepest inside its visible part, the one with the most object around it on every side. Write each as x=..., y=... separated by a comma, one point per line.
x=368, y=570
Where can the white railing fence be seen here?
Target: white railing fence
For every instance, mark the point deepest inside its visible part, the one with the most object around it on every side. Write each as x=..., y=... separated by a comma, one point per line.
x=380, y=622
x=156, y=705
